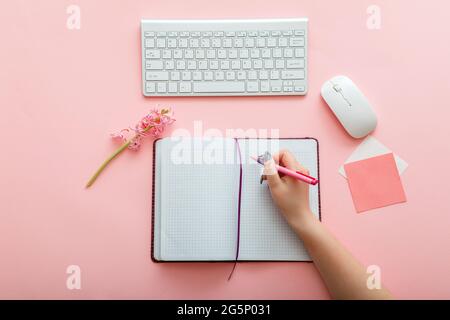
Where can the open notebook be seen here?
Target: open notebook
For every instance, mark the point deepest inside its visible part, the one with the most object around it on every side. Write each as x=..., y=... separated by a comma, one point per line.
x=195, y=201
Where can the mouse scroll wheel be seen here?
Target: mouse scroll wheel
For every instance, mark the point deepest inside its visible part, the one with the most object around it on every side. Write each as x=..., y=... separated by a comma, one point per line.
x=337, y=88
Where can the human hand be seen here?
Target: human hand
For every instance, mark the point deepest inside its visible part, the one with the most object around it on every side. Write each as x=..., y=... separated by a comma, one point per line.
x=289, y=194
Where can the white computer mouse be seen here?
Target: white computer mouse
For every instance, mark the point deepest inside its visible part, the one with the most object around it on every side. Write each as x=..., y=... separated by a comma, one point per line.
x=350, y=106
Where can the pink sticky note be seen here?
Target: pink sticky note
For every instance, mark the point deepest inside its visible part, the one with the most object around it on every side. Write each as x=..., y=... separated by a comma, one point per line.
x=374, y=182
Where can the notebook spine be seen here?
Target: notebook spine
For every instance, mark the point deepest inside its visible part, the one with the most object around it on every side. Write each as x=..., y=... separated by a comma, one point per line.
x=152, y=235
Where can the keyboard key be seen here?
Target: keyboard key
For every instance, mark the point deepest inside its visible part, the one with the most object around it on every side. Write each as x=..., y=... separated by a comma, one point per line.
x=156, y=75
x=241, y=75
x=203, y=65
x=211, y=54
x=173, y=87
x=185, y=87
x=175, y=75
x=214, y=64
x=257, y=64
x=161, y=42
x=283, y=42
x=197, y=76
x=279, y=64
x=249, y=42
x=288, y=53
x=194, y=43
x=265, y=53
x=235, y=64
x=181, y=64
x=152, y=54
x=263, y=75
x=268, y=64
x=186, y=75
x=265, y=87
x=199, y=54
x=252, y=75
x=161, y=88
x=271, y=42
x=299, y=52
x=150, y=87
x=221, y=54
x=293, y=74
x=252, y=86
x=177, y=54
x=274, y=74
x=182, y=43
x=277, y=53
x=208, y=75
x=192, y=65
x=219, y=87
x=172, y=43
x=295, y=64
x=189, y=54
x=149, y=43
x=297, y=42
x=232, y=54
x=224, y=64
x=276, y=86
x=238, y=43
x=219, y=75
x=227, y=43
x=243, y=53
x=230, y=75
x=261, y=42
x=254, y=53
x=154, y=64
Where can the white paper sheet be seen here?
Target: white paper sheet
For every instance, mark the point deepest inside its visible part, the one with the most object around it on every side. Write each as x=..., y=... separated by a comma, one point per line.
x=369, y=148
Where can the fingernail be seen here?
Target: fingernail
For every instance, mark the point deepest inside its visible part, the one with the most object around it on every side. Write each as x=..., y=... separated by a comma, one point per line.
x=269, y=168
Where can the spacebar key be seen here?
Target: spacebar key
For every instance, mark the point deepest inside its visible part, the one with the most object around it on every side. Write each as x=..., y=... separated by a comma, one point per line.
x=231, y=86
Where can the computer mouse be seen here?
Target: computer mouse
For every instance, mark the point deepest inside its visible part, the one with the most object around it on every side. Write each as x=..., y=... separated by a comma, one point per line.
x=350, y=106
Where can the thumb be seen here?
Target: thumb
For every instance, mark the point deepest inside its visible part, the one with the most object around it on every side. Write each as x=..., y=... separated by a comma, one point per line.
x=271, y=173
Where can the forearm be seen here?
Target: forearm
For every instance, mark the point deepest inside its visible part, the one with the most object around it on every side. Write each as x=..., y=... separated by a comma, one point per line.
x=345, y=277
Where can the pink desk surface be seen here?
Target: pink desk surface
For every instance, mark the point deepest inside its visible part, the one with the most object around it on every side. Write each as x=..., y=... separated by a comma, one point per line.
x=62, y=92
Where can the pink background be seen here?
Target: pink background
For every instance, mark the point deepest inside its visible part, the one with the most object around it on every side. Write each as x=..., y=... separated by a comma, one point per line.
x=62, y=92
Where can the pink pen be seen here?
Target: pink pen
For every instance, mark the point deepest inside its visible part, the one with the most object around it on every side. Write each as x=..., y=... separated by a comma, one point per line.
x=294, y=174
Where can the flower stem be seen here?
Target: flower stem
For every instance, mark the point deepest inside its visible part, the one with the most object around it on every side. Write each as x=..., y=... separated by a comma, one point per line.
x=107, y=161
x=111, y=157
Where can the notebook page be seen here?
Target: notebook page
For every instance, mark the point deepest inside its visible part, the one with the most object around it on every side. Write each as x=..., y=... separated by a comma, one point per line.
x=198, y=201
x=265, y=235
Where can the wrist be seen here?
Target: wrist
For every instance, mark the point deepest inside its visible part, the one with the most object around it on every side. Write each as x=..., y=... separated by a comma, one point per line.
x=303, y=222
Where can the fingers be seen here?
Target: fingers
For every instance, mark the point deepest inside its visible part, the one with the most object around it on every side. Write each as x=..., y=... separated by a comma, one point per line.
x=271, y=173
x=287, y=159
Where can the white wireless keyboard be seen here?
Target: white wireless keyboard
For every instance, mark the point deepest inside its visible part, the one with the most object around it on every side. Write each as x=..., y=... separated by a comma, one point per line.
x=224, y=57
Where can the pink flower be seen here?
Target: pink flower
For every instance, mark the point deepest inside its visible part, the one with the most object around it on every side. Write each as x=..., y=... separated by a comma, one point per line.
x=154, y=123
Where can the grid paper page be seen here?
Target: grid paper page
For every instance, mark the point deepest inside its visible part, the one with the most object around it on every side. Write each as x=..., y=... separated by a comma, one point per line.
x=199, y=220
x=199, y=205
x=265, y=235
